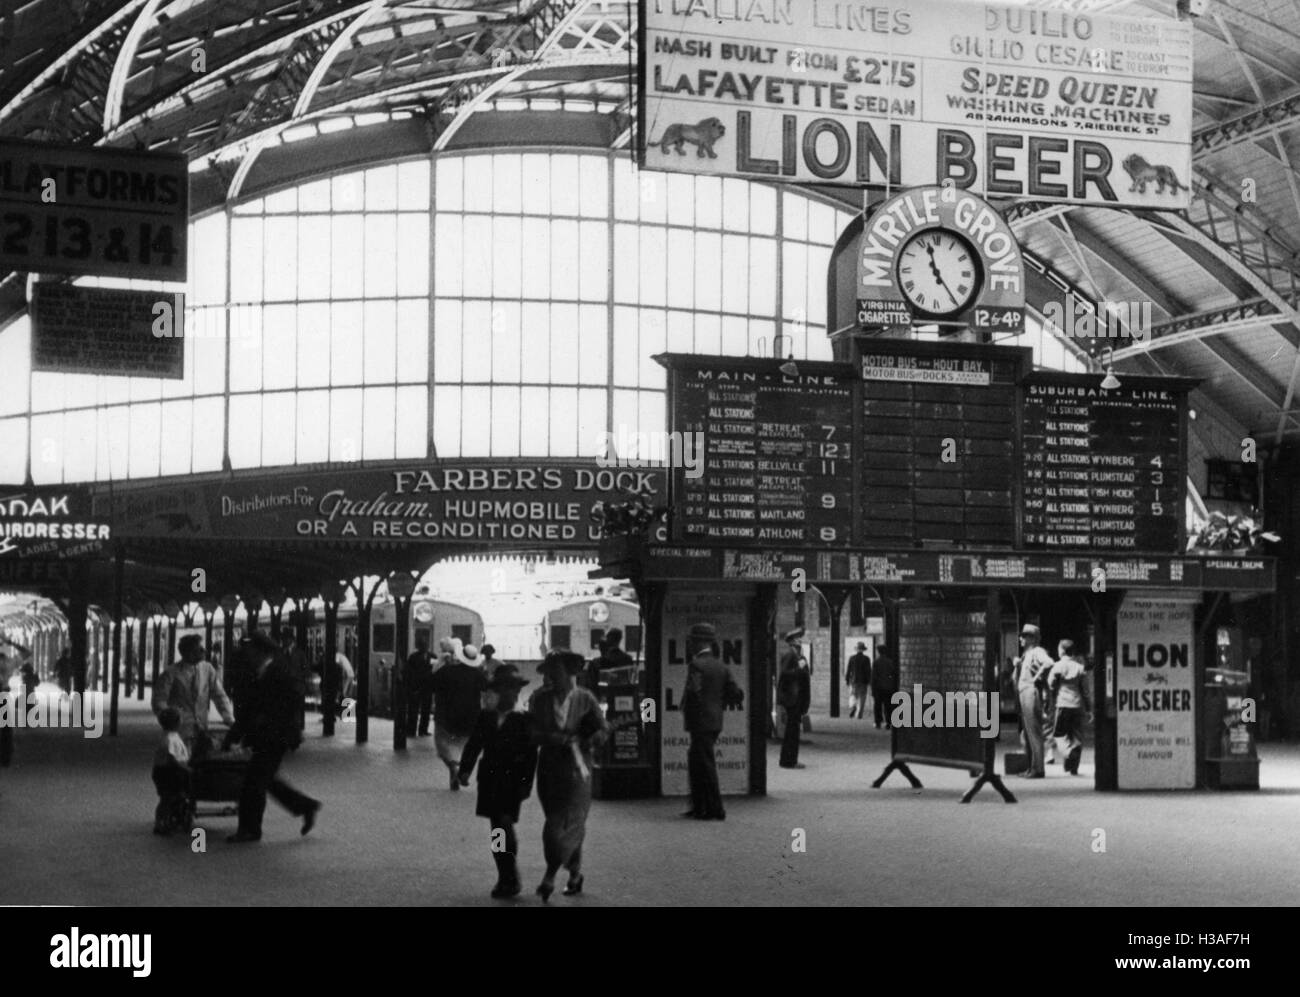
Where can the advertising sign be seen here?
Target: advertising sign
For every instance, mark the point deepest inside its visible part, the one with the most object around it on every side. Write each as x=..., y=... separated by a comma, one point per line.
x=53, y=524
x=95, y=330
x=1004, y=101
x=507, y=503
x=940, y=253
x=80, y=210
x=1155, y=694
x=728, y=611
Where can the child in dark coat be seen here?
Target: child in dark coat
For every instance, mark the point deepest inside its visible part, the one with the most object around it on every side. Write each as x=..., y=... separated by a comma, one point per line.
x=505, y=775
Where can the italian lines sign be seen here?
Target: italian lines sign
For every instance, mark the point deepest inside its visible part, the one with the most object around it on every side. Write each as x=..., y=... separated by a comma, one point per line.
x=1004, y=101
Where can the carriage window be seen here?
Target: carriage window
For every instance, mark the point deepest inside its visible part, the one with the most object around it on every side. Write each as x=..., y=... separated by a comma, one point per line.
x=422, y=633
x=385, y=637
x=632, y=639
x=463, y=632
x=597, y=635
x=559, y=637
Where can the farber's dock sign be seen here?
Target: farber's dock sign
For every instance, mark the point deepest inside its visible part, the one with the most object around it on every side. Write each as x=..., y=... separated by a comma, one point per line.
x=509, y=502
x=1003, y=101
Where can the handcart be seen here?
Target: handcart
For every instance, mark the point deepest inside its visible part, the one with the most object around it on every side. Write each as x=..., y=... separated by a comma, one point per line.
x=217, y=776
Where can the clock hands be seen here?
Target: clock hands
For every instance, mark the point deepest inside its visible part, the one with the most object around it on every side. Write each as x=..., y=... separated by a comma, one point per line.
x=929, y=248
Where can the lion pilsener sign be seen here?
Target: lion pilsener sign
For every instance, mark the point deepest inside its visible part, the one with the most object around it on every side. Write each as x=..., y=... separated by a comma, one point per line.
x=1003, y=101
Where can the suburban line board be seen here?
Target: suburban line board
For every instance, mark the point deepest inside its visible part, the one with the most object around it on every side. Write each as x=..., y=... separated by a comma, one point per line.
x=778, y=451
x=1104, y=470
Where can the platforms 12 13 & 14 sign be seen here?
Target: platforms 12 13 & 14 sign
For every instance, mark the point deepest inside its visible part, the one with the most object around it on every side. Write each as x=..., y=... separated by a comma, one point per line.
x=1004, y=101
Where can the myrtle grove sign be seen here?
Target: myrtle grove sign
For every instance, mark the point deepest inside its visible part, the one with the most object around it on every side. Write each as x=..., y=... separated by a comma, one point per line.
x=1004, y=101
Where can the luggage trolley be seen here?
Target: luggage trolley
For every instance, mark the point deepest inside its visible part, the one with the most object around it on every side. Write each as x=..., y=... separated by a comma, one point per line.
x=217, y=777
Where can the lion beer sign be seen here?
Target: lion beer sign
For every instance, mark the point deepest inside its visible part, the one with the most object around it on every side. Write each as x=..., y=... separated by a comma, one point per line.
x=945, y=243
x=1003, y=101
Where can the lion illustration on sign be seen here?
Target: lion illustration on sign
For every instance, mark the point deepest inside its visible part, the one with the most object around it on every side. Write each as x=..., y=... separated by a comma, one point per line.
x=702, y=135
x=1142, y=173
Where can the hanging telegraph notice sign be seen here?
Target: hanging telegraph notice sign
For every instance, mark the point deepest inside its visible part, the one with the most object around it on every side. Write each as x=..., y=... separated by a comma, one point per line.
x=89, y=211
x=940, y=254
x=1003, y=101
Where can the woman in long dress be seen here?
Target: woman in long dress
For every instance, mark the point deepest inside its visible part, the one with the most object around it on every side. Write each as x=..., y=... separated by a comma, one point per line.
x=566, y=722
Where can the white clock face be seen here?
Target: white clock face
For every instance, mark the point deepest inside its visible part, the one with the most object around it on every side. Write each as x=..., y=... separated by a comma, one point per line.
x=938, y=272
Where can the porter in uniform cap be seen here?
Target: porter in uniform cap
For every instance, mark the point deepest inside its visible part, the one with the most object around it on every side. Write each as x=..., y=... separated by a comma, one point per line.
x=1030, y=630
x=792, y=635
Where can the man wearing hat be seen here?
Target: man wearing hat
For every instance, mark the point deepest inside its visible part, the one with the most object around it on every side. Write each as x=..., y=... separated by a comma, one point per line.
x=794, y=693
x=710, y=688
x=502, y=737
x=1034, y=663
x=457, y=691
x=857, y=674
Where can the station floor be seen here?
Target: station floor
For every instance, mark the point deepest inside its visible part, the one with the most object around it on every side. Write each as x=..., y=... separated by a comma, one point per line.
x=76, y=816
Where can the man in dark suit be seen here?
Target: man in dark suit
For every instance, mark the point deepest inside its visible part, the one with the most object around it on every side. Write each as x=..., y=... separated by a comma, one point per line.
x=794, y=693
x=884, y=683
x=419, y=689
x=710, y=688
x=858, y=677
x=270, y=728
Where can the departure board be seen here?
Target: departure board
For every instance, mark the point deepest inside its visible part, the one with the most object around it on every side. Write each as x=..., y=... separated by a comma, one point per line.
x=938, y=443
x=778, y=452
x=1103, y=470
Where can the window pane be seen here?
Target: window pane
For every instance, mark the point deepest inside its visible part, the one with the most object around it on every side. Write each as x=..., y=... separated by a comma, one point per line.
x=245, y=430
x=348, y=253
x=535, y=340
x=626, y=263
x=413, y=341
x=505, y=422
x=208, y=434
x=246, y=259
x=591, y=421
x=625, y=413
x=708, y=202
x=536, y=265
x=348, y=192
x=314, y=345
x=681, y=268
x=506, y=257
x=380, y=423
x=594, y=184
x=476, y=424
x=795, y=219
x=565, y=192
x=652, y=197
x=564, y=259
x=47, y=448
x=279, y=435
x=446, y=341
x=448, y=250
x=534, y=437
x=246, y=349
x=535, y=183
x=313, y=420
x=279, y=347
x=762, y=209
x=413, y=185
x=380, y=342
x=345, y=343
x=314, y=258
x=735, y=273
x=593, y=348
x=412, y=418
x=735, y=336
x=627, y=190
x=708, y=334
x=626, y=353
x=735, y=205
x=819, y=262
x=708, y=271
x=594, y=272
x=283, y=203
x=478, y=184
x=381, y=255
x=79, y=429
x=564, y=422
x=208, y=259
x=381, y=188
x=314, y=196
x=681, y=199
x=281, y=253
x=506, y=183
x=564, y=344
x=795, y=287
x=653, y=341
x=477, y=340
x=681, y=332
x=653, y=269
x=505, y=342
x=446, y=421
x=345, y=424
x=448, y=182
x=762, y=276
x=477, y=256
x=413, y=254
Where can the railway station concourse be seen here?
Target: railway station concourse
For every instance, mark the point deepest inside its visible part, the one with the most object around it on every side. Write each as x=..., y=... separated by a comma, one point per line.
x=884, y=344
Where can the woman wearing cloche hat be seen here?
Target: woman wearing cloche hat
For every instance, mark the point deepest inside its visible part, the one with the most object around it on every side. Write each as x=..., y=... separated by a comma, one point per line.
x=505, y=772
x=567, y=722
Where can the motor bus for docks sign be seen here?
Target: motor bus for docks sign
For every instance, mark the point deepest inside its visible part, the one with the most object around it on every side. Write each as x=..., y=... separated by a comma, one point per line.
x=1004, y=101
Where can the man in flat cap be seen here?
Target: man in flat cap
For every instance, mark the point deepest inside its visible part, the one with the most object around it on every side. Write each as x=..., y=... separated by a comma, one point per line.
x=710, y=688
x=1035, y=663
